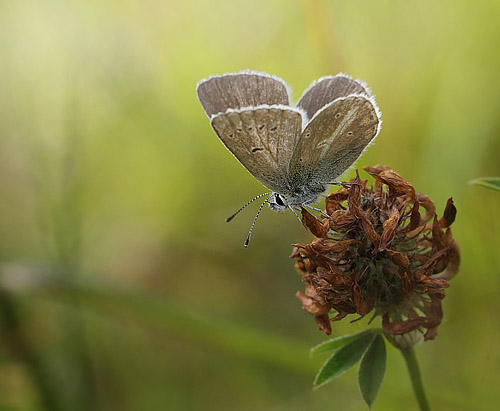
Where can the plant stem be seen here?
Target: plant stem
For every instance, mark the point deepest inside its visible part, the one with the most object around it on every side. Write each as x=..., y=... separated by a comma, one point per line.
x=16, y=340
x=416, y=378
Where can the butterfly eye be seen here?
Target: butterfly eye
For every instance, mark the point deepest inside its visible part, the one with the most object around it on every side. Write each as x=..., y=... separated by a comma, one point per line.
x=279, y=201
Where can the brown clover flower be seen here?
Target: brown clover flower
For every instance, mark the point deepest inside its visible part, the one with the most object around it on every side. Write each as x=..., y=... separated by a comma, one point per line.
x=377, y=252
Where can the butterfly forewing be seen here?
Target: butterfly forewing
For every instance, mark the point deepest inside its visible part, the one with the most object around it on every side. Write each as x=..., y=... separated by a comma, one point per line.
x=263, y=140
x=334, y=139
x=328, y=89
x=239, y=90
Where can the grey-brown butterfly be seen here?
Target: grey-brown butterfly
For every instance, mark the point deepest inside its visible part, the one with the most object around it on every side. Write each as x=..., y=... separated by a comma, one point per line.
x=296, y=151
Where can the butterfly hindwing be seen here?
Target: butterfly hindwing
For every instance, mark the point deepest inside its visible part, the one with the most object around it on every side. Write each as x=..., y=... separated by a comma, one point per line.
x=334, y=139
x=262, y=139
x=327, y=89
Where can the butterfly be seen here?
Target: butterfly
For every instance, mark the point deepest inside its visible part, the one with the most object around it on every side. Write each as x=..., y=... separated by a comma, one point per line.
x=296, y=151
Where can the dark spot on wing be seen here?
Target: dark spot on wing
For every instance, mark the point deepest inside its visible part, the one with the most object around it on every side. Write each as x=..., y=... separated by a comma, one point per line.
x=273, y=128
x=255, y=149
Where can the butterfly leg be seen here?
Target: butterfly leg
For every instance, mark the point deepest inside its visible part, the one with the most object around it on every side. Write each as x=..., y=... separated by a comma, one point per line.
x=335, y=183
x=296, y=215
x=317, y=209
x=340, y=183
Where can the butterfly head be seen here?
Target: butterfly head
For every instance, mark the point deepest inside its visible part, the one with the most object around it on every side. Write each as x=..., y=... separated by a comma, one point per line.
x=297, y=195
x=277, y=202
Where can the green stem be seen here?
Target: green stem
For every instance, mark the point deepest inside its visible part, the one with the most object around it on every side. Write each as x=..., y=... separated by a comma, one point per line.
x=416, y=378
x=16, y=340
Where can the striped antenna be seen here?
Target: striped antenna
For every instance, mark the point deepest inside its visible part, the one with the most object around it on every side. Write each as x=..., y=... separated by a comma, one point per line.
x=254, y=221
x=250, y=202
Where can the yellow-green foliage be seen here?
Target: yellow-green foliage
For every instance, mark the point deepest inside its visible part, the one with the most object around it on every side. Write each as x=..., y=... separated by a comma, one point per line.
x=112, y=180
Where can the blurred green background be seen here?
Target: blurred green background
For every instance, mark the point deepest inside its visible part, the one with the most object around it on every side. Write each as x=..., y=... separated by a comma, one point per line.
x=121, y=286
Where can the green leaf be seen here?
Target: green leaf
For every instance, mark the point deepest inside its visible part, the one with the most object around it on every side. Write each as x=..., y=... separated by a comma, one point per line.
x=334, y=343
x=493, y=183
x=342, y=360
x=372, y=369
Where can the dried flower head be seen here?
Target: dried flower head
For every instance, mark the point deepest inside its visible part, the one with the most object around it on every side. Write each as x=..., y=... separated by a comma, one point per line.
x=376, y=251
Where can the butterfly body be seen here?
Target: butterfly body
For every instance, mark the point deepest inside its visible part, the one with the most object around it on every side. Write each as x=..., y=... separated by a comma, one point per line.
x=294, y=150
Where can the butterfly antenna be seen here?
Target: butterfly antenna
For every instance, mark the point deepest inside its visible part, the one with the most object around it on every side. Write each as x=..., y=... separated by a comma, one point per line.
x=254, y=221
x=250, y=202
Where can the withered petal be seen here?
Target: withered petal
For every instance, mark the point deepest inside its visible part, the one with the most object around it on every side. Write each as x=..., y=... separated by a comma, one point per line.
x=453, y=258
x=295, y=252
x=397, y=185
x=414, y=218
x=430, y=334
x=332, y=202
x=354, y=198
x=437, y=235
x=313, y=224
x=399, y=327
x=427, y=269
x=398, y=258
x=428, y=205
x=370, y=232
x=376, y=170
x=319, y=311
x=329, y=246
x=341, y=220
x=338, y=196
x=450, y=212
x=431, y=320
x=363, y=305
x=389, y=229
x=324, y=323
x=344, y=306
x=431, y=282
x=434, y=318
x=340, y=315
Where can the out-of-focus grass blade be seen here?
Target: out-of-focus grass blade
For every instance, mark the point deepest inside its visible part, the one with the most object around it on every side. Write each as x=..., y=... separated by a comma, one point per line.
x=342, y=360
x=372, y=370
x=173, y=318
x=334, y=343
x=493, y=183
